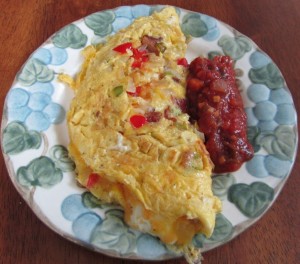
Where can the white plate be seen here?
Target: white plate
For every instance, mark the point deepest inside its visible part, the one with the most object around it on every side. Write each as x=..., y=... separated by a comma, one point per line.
x=34, y=136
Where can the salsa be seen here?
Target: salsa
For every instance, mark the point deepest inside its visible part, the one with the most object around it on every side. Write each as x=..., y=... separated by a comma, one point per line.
x=216, y=104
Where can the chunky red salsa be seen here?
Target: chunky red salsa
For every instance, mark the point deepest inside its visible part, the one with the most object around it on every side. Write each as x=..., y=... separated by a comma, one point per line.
x=216, y=104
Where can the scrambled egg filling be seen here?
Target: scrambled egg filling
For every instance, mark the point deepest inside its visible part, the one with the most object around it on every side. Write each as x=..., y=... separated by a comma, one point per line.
x=130, y=136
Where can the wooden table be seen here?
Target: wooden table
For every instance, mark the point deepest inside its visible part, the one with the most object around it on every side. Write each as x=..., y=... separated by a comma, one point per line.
x=273, y=25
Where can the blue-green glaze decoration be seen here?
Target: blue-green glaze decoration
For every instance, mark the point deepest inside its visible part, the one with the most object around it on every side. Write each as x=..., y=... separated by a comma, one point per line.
x=252, y=134
x=91, y=201
x=126, y=14
x=200, y=25
x=124, y=17
x=264, y=71
x=280, y=96
x=85, y=225
x=70, y=36
x=101, y=22
x=72, y=207
x=193, y=25
x=273, y=109
x=34, y=108
x=277, y=167
x=268, y=75
x=140, y=10
x=114, y=234
x=281, y=146
x=45, y=88
x=281, y=142
x=285, y=114
x=223, y=231
x=107, y=22
x=150, y=247
x=52, y=56
x=235, y=47
x=258, y=59
x=258, y=93
x=84, y=221
x=17, y=138
x=213, y=54
x=221, y=183
x=39, y=172
x=252, y=200
x=256, y=166
x=35, y=71
x=60, y=156
x=110, y=232
x=271, y=119
x=124, y=11
x=213, y=29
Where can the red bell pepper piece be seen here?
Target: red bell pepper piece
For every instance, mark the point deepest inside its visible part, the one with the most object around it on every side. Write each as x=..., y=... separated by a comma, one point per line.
x=183, y=62
x=137, y=92
x=123, y=47
x=92, y=180
x=138, y=56
x=138, y=121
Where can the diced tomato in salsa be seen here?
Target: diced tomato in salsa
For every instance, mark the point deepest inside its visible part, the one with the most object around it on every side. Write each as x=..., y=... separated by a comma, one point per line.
x=215, y=102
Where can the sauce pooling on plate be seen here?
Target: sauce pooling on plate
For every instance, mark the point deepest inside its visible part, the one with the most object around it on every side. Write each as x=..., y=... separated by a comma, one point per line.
x=215, y=102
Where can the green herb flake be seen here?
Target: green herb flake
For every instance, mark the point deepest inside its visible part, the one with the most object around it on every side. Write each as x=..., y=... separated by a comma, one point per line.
x=118, y=90
x=196, y=162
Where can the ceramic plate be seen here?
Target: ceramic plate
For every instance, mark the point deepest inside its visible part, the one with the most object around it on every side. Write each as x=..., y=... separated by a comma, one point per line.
x=34, y=136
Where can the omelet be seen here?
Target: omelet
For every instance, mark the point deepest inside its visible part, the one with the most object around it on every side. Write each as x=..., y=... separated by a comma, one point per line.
x=130, y=135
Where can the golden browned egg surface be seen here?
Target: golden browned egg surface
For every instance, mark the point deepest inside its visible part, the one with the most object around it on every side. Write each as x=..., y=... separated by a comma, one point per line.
x=130, y=138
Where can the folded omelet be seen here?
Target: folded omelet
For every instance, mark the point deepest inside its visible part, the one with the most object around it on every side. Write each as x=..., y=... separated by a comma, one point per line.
x=130, y=137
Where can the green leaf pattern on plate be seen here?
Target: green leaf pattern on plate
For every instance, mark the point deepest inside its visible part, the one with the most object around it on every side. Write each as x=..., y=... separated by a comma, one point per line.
x=235, y=47
x=101, y=22
x=223, y=231
x=35, y=71
x=16, y=138
x=193, y=25
x=252, y=134
x=39, y=172
x=221, y=183
x=70, y=36
x=213, y=54
x=90, y=201
x=281, y=143
x=251, y=200
x=60, y=156
x=268, y=75
x=113, y=233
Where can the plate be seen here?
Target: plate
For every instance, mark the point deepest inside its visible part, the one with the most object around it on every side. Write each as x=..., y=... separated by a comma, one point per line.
x=34, y=136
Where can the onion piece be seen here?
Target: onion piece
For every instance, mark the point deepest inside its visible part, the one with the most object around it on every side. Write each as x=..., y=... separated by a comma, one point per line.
x=172, y=72
x=220, y=86
x=130, y=86
x=142, y=48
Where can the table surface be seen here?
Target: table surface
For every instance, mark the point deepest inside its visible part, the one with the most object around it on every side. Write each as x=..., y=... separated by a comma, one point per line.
x=25, y=25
